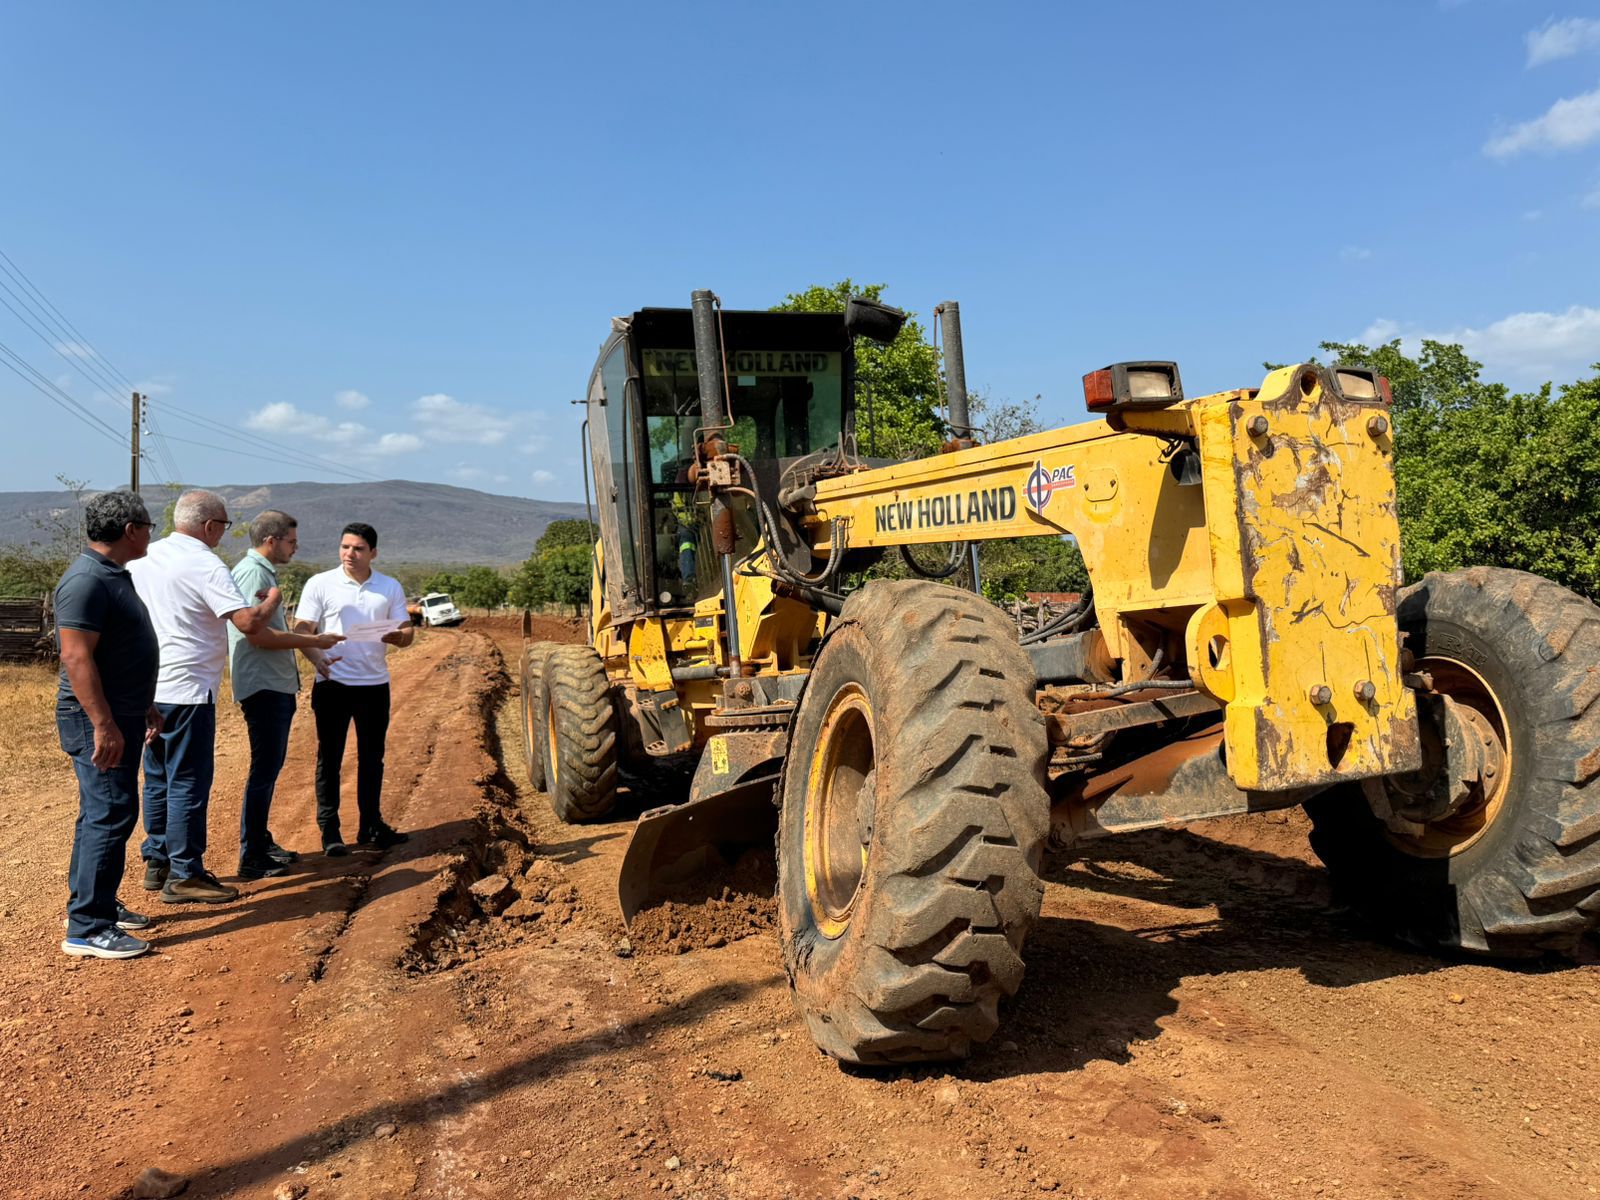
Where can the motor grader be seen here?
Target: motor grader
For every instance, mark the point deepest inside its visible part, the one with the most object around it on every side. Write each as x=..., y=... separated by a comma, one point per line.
x=1246, y=645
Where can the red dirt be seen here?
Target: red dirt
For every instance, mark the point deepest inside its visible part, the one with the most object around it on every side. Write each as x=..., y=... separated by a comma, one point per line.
x=1196, y=1021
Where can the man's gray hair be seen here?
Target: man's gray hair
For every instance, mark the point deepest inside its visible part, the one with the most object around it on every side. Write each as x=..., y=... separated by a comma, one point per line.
x=106, y=517
x=271, y=524
x=195, y=508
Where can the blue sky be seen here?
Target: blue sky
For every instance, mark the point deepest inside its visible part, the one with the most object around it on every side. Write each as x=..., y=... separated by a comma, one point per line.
x=391, y=235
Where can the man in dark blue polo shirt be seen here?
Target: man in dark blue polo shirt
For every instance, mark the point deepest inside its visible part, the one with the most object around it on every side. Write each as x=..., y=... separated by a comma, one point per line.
x=105, y=712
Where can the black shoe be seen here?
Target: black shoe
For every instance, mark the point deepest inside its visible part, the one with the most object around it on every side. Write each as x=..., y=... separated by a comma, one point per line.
x=130, y=921
x=334, y=849
x=204, y=888
x=264, y=867
x=381, y=837
x=279, y=855
x=155, y=874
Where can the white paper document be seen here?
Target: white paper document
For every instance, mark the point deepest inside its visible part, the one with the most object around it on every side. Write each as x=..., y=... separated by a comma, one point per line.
x=358, y=630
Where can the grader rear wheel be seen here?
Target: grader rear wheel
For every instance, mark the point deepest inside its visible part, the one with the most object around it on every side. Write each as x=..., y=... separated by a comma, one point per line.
x=1502, y=858
x=579, y=729
x=913, y=820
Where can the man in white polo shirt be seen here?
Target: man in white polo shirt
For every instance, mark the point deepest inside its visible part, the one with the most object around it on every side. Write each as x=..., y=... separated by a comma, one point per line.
x=369, y=609
x=192, y=599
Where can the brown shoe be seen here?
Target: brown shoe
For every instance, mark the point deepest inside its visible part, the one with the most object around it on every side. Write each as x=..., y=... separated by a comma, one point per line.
x=204, y=888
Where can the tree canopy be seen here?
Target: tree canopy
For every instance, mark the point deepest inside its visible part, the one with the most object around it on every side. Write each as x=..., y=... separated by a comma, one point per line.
x=558, y=571
x=475, y=587
x=1487, y=476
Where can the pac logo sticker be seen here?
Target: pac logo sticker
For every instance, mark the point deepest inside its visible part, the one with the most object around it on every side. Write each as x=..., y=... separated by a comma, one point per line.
x=1045, y=482
x=719, y=755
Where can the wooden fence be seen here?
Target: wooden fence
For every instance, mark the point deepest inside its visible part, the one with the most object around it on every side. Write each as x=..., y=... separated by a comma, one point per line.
x=27, y=629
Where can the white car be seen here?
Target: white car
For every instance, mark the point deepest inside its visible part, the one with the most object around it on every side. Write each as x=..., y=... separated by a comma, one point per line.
x=439, y=609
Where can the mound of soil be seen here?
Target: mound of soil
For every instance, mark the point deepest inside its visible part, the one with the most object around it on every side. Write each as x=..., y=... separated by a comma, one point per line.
x=712, y=910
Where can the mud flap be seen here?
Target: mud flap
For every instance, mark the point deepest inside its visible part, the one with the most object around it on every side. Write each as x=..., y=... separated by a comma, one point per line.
x=730, y=810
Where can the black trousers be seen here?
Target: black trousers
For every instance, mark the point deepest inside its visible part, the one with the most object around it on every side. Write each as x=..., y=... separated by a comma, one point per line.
x=335, y=706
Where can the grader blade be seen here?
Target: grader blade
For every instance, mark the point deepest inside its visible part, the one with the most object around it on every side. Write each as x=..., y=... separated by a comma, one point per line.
x=674, y=843
x=729, y=811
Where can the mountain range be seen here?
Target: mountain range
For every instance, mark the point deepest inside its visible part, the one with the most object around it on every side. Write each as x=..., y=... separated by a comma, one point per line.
x=416, y=522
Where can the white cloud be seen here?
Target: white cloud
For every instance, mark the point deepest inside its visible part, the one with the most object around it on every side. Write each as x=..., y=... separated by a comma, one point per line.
x=1562, y=39
x=1569, y=124
x=447, y=419
x=543, y=477
x=397, y=443
x=1355, y=254
x=1379, y=333
x=352, y=400
x=1533, y=214
x=1521, y=349
x=75, y=350
x=466, y=473
x=1592, y=200
x=534, y=444
x=284, y=418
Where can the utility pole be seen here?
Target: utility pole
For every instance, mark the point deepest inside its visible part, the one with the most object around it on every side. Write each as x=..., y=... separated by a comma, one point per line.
x=138, y=411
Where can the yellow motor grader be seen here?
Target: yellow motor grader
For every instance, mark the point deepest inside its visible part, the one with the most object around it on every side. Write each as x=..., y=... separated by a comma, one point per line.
x=1246, y=645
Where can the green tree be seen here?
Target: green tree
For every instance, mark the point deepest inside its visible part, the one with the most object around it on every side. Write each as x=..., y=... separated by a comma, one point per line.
x=443, y=581
x=292, y=578
x=481, y=587
x=566, y=531
x=1487, y=476
x=559, y=569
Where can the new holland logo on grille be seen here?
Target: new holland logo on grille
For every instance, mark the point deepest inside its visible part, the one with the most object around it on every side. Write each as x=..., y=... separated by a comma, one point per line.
x=1044, y=483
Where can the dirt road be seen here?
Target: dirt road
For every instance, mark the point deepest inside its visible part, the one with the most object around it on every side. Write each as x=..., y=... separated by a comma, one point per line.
x=1195, y=1021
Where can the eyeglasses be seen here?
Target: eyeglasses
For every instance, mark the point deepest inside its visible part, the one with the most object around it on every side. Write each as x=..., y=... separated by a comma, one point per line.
x=142, y=524
x=226, y=524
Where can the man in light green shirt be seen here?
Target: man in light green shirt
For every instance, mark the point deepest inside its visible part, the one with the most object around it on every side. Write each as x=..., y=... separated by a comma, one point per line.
x=265, y=681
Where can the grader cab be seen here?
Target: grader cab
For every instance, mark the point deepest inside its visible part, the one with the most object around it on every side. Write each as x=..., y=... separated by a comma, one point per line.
x=1247, y=645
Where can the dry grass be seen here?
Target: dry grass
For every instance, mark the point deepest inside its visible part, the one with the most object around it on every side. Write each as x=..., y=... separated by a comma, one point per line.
x=28, y=702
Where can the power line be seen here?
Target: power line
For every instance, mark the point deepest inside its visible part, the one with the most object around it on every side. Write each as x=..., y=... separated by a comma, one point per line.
x=78, y=365
x=107, y=376
x=62, y=401
x=17, y=273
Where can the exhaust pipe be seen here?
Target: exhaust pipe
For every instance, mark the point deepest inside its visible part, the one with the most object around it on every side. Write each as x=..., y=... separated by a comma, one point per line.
x=955, y=384
x=714, y=419
x=707, y=358
x=955, y=368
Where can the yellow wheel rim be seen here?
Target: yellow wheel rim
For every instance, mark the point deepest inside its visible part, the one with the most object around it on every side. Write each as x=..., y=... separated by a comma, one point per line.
x=552, y=760
x=530, y=727
x=839, y=807
x=1464, y=828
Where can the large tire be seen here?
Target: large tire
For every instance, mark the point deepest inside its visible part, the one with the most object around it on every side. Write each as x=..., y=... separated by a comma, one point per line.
x=913, y=819
x=580, y=734
x=1516, y=873
x=533, y=710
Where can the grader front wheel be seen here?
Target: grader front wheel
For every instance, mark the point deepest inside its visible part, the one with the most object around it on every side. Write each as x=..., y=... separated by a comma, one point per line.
x=1494, y=848
x=913, y=819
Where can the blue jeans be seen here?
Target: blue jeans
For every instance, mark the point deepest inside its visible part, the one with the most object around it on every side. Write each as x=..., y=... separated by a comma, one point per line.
x=108, y=808
x=178, y=768
x=267, y=715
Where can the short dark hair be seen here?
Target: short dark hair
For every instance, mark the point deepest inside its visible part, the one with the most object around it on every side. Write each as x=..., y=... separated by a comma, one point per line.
x=271, y=524
x=363, y=531
x=106, y=517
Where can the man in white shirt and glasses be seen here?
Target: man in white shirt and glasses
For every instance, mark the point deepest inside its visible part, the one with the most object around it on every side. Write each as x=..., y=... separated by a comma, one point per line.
x=192, y=599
